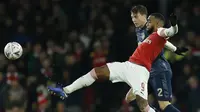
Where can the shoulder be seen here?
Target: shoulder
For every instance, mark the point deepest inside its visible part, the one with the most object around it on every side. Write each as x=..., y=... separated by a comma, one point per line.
x=160, y=31
x=153, y=34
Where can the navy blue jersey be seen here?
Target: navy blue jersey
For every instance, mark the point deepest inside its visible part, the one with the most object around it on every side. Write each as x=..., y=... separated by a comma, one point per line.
x=160, y=64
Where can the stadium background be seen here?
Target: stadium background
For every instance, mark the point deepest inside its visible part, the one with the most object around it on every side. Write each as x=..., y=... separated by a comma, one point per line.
x=63, y=39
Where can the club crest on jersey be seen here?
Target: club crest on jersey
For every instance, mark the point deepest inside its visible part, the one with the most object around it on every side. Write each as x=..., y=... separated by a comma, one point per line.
x=148, y=41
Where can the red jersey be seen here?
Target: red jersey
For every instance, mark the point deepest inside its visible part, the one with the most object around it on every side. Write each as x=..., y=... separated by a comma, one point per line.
x=148, y=50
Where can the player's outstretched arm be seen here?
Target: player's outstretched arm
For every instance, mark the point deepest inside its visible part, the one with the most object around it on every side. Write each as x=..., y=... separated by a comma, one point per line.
x=170, y=46
x=177, y=50
x=169, y=32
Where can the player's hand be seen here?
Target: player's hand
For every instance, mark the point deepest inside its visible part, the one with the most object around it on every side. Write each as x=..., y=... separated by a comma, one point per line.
x=173, y=19
x=181, y=50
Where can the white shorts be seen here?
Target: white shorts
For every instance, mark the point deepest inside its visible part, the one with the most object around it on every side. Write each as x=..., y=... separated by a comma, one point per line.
x=134, y=75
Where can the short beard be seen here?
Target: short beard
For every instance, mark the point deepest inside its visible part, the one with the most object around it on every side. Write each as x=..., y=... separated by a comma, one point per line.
x=150, y=31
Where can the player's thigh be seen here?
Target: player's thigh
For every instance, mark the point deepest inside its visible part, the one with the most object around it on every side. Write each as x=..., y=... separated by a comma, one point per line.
x=101, y=72
x=137, y=77
x=117, y=71
x=161, y=84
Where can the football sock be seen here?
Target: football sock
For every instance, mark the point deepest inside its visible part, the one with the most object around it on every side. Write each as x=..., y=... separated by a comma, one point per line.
x=171, y=108
x=83, y=81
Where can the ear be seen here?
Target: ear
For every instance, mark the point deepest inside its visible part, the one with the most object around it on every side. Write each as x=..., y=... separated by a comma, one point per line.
x=159, y=23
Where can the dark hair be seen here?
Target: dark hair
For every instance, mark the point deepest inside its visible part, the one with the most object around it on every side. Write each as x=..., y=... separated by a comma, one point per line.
x=159, y=16
x=139, y=9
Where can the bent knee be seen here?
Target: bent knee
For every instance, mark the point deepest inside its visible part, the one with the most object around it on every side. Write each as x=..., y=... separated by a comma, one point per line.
x=102, y=72
x=163, y=104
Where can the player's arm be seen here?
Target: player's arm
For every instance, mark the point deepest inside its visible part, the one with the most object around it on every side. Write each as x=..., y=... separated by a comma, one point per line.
x=177, y=50
x=169, y=32
x=170, y=46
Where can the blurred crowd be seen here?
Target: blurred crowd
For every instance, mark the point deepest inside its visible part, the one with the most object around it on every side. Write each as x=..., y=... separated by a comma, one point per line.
x=64, y=39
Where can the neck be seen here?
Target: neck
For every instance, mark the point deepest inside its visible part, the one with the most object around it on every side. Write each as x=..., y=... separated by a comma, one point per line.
x=143, y=24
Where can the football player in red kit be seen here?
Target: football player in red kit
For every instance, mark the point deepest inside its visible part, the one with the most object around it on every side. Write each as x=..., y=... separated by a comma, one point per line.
x=146, y=53
x=135, y=71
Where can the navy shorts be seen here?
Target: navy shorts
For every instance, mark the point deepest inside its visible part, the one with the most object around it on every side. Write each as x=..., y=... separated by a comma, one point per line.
x=161, y=85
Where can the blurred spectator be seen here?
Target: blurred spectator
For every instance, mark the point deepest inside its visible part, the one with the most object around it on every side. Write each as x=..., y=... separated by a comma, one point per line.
x=196, y=17
x=3, y=87
x=43, y=104
x=60, y=18
x=98, y=55
x=196, y=49
x=61, y=107
x=193, y=98
x=15, y=97
x=191, y=38
x=46, y=70
x=34, y=62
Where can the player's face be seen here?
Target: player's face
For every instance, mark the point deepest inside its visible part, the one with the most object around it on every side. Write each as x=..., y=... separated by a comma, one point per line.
x=150, y=24
x=138, y=19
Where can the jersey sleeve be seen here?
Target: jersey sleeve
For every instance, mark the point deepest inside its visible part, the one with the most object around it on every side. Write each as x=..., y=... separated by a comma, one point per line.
x=167, y=32
x=159, y=31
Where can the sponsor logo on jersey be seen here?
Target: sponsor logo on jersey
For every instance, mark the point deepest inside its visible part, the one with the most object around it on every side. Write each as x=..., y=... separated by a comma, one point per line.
x=148, y=41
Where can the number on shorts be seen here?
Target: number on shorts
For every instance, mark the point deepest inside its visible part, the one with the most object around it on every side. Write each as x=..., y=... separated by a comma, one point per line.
x=142, y=86
x=160, y=92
